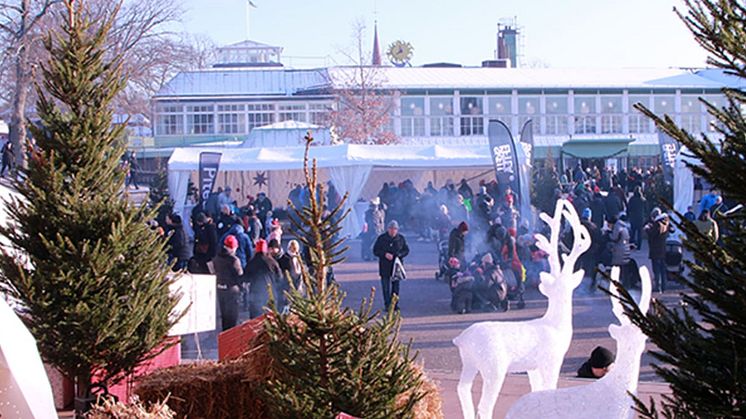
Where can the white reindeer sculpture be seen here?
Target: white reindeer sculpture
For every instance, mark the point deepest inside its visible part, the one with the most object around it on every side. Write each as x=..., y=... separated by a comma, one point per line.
x=609, y=396
x=537, y=346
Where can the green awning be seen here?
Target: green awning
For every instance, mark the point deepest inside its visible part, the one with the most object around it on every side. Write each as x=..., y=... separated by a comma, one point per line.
x=593, y=148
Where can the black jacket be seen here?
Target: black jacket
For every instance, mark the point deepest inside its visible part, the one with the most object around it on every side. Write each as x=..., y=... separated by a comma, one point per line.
x=227, y=268
x=585, y=371
x=456, y=245
x=396, y=245
x=205, y=242
x=636, y=210
x=177, y=243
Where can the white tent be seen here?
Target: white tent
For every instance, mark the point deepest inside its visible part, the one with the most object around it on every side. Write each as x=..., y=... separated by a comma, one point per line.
x=349, y=167
x=683, y=181
x=286, y=134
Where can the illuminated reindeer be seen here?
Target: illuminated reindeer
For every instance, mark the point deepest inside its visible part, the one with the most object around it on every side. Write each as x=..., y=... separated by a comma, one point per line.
x=609, y=396
x=537, y=346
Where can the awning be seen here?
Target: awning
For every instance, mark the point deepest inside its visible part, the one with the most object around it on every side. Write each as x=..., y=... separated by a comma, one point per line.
x=590, y=148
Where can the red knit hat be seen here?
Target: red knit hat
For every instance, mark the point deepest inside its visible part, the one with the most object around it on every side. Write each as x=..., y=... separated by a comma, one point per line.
x=261, y=246
x=230, y=242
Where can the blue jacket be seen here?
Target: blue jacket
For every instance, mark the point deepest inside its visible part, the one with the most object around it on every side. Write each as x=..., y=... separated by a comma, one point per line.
x=244, y=252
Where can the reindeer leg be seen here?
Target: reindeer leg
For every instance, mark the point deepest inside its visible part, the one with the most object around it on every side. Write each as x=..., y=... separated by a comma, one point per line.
x=536, y=380
x=492, y=382
x=465, y=382
x=550, y=375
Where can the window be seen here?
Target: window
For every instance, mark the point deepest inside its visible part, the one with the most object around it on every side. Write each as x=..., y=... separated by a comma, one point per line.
x=664, y=104
x=260, y=114
x=231, y=119
x=170, y=124
x=169, y=119
x=585, y=114
x=292, y=112
x=200, y=119
x=556, y=114
x=412, y=116
x=319, y=113
x=500, y=108
x=441, y=116
x=691, y=114
x=638, y=123
x=611, y=114
x=472, y=119
x=719, y=102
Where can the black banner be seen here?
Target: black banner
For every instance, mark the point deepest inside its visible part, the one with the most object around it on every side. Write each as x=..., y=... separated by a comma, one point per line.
x=527, y=139
x=208, y=172
x=504, y=156
x=669, y=149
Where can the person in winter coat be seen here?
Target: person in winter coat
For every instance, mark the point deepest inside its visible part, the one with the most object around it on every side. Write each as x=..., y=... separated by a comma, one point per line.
x=296, y=264
x=388, y=247
x=228, y=273
x=589, y=260
x=374, y=219
x=178, y=251
x=290, y=272
x=613, y=205
x=598, y=210
x=636, y=213
x=263, y=206
x=255, y=227
x=658, y=230
x=262, y=272
x=598, y=364
x=243, y=253
x=461, y=285
x=457, y=242
x=490, y=288
x=707, y=226
x=8, y=158
x=619, y=239
x=205, y=243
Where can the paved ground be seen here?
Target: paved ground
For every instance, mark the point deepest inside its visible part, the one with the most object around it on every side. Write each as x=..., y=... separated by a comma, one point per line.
x=430, y=324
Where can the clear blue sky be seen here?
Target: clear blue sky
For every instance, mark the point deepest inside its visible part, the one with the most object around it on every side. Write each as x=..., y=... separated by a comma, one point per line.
x=559, y=33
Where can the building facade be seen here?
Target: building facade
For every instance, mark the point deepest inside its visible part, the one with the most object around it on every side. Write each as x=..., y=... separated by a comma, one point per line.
x=443, y=105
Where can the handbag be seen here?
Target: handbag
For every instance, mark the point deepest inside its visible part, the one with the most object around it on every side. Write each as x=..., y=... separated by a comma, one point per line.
x=398, y=274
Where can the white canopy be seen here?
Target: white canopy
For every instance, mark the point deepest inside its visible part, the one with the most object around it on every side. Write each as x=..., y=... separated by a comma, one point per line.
x=349, y=166
x=683, y=181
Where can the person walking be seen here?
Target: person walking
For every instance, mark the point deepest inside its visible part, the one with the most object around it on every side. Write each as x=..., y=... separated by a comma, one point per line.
x=636, y=213
x=228, y=273
x=178, y=252
x=262, y=272
x=205, y=243
x=388, y=247
x=8, y=158
x=457, y=243
x=589, y=260
x=707, y=226
x=374, y=219
x=134, y=167
x=620, y=250
x=658, y=230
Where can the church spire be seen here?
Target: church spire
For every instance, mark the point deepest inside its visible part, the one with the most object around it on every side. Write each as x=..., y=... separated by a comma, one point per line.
x=376, y=49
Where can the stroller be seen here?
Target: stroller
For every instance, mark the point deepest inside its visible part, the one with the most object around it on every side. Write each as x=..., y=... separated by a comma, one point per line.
x=674, y=258
x=443, y=267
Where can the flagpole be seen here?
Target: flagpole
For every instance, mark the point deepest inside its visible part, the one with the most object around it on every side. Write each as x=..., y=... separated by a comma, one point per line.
x=248, y=20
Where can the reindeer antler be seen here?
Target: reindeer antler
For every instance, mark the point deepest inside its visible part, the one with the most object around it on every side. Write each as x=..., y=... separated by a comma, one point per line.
x=645, y=294
x=647, y=289
x=616, y=305
x=550, y=247
x=581, y=238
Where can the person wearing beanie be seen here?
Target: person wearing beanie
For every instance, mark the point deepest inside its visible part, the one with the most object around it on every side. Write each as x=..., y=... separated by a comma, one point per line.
x=457, y=242
x=205, y=243
x=589, y=259
x=658, y=229
x=262, y=272
x=389, y=247
x=598, y=364
x=178, y=250
x=228, y=272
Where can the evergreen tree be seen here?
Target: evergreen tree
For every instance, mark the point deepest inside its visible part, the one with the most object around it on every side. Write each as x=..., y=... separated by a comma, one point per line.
x=330, y=359
x=158, y=197
x=89, y=276
x=702, y=343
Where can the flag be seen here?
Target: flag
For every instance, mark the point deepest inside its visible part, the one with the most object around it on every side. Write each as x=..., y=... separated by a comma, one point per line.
x=669, y=149
x=504, y=156
x=208, y=172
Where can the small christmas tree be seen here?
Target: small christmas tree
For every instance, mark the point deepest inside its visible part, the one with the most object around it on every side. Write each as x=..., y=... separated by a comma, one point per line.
x=87, y=273
x=702, y=343
x=330, y=359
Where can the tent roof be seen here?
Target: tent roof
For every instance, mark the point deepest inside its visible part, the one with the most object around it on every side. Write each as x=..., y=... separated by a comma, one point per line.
x=288, y=158
x=289, y=124
x=588, y=148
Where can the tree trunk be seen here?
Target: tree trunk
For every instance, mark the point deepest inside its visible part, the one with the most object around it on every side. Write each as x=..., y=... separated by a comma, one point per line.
x=83, y=396
x=18, y=117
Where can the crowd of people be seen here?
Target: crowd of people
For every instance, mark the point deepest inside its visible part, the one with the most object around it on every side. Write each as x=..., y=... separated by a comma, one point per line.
x=242, y=247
